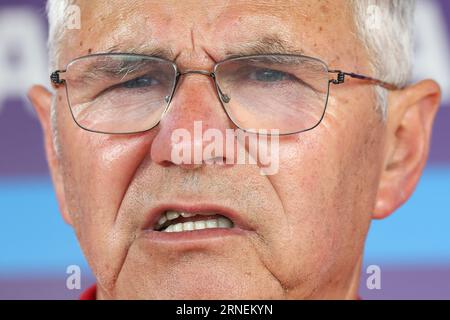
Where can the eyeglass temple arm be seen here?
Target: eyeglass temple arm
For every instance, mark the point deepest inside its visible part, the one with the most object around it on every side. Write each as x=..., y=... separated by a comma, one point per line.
x=55, y=79
x=341, y=78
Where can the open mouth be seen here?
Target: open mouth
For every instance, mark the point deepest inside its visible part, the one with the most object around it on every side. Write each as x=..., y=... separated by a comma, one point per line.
x=180, y=221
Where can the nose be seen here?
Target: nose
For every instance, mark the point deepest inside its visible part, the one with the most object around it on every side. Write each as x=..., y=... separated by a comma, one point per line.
x=194, y=110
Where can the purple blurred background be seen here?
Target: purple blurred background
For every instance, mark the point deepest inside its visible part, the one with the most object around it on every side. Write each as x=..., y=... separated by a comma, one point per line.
x=412, y=248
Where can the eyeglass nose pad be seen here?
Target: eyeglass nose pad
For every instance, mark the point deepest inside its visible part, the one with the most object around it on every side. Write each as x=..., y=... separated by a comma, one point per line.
x=167, y=99
x=225, y=98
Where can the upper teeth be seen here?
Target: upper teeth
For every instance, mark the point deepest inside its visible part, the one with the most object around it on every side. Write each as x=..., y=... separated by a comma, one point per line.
x=220, y=222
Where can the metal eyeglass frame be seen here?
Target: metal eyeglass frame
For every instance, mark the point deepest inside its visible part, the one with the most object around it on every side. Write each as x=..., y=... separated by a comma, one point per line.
x=339, y=79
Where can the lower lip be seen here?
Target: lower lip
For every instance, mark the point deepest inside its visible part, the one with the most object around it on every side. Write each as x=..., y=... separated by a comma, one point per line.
x=195, y=236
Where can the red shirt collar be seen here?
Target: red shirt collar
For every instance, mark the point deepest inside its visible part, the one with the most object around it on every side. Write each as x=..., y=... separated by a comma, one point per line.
x=89, y=294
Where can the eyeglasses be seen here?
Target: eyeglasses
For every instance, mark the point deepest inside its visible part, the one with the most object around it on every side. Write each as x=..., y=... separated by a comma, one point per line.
x=118, y=93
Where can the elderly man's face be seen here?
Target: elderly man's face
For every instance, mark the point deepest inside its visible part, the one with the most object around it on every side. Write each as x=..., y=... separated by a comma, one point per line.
x=297, y=234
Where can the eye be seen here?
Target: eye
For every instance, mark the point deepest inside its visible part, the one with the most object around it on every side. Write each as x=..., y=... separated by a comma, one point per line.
x=141, y=82
x=269, y=75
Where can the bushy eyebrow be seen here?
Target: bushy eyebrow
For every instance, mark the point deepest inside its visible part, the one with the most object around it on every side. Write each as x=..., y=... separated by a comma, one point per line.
x=265, y=45
x=113, y=69
x=148, y=49
x=121, y=68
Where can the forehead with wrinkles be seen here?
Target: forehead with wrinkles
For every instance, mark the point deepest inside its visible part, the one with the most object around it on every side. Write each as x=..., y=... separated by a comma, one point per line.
x=181, y=30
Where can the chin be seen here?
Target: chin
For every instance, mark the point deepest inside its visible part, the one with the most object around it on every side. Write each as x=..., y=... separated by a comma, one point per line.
x=199, y=283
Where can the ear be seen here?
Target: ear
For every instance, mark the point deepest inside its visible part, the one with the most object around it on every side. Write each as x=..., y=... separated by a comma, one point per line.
x=41, y=99
x=411, y=112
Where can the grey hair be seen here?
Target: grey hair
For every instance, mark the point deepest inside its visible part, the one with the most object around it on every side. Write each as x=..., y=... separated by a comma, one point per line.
x=385, y=28
x=56, y=15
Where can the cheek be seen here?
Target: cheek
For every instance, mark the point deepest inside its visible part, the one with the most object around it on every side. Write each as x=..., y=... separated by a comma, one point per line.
x=99, y=167
x=327, y=183
x=97, y=172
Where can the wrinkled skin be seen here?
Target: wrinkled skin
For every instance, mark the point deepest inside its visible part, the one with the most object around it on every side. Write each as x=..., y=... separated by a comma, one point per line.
x=307, y=224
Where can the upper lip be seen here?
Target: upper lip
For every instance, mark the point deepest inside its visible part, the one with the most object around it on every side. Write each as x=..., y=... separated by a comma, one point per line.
x=155, y=213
